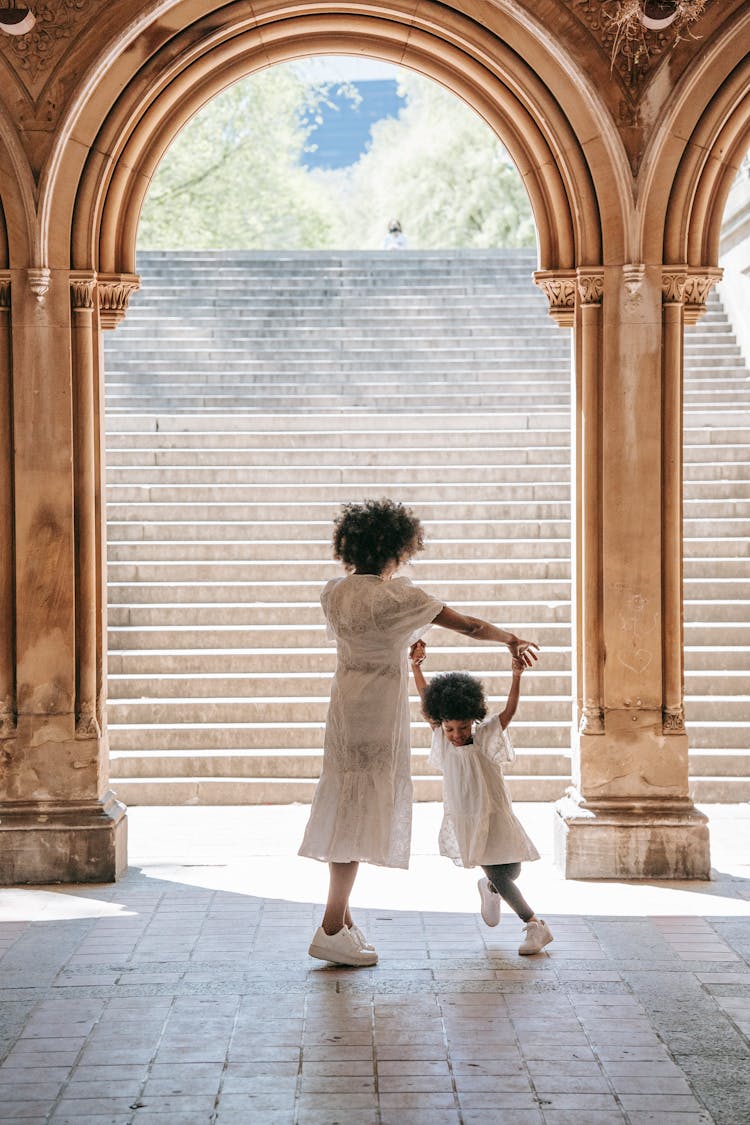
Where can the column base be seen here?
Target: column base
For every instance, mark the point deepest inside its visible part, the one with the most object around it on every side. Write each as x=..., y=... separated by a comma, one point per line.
x=632, y=840
x=46, y=842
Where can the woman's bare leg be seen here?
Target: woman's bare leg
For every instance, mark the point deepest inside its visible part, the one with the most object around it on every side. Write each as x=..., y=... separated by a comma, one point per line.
x=341, y=881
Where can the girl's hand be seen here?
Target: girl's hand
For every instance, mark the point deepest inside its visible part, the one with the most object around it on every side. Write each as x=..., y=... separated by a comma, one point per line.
x=417, y=652
x=524, y=651
x=517, y=664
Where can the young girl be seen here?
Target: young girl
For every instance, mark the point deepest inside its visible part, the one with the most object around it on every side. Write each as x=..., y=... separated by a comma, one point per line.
x=479, y=827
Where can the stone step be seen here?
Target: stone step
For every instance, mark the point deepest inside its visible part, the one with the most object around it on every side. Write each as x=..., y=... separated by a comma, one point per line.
x=253, y=613
x=295, y=735
x=251, y=791
x=369, y=425
x=540, y=683
x=507, y=462
x=526, y=475
x=504, y=443
x=719, y=790
x=312, y=636
x=426, y=496
x=474, y=585
x=310, y=512
x=249, y=662
x=294, y=764
x=143, y=526
x=318, y=551
x=313, y=573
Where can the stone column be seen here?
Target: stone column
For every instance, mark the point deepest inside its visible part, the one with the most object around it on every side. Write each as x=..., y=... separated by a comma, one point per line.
x=629, y=814
x=58, y=820
x=7, y=578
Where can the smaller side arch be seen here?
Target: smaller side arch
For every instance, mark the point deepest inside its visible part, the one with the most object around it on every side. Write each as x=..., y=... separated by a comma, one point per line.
x=709, y=164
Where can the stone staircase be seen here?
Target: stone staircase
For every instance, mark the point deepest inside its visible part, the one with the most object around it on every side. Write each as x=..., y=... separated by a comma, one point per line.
x=248, y=395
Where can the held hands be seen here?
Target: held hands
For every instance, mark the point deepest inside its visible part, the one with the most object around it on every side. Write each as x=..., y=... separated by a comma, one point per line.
x=523, y=651
x=517, y=664
x=417, y=652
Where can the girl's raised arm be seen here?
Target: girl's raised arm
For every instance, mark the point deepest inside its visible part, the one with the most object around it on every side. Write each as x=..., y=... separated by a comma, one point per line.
x=417, y=653
x=511, y=703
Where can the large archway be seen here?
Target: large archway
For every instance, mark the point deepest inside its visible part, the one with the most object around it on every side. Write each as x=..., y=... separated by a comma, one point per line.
x=600, y=196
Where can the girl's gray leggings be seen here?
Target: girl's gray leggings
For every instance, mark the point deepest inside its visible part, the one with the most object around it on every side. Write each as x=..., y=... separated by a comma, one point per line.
x=502, y=877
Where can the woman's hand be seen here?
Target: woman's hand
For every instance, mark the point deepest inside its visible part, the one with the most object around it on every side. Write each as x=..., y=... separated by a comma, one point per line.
x=524, y=651
x=417, y=652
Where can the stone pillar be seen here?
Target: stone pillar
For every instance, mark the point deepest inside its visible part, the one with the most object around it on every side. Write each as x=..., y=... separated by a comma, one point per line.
x=59, y=822
x=628, y=814
x=7, y=577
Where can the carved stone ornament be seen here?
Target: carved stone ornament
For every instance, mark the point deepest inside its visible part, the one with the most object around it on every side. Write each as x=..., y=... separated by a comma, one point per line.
x=86, y=723
x=559, y=287
x=114, y=293
x=83, y=290
x=633, y=275
x=634, y=55
x=673, y=285
x=590, y=286
x=4, y=291
x=673, y=720
x=42, y=48
x=39, y=282
x=698, y=285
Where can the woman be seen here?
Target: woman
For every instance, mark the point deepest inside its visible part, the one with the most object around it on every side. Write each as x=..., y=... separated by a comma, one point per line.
x=361, y=811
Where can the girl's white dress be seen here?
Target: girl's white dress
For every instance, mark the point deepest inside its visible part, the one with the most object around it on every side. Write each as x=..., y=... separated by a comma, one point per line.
x=362, y=804
x=479, y=827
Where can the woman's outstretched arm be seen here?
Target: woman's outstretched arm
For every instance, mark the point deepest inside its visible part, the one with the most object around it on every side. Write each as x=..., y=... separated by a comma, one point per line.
x=481, y=630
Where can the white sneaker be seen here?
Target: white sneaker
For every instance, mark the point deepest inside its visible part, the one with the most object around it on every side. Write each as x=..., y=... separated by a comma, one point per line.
x=538, y=935
x=490, y=902
x=341, y=948
x=360, y=937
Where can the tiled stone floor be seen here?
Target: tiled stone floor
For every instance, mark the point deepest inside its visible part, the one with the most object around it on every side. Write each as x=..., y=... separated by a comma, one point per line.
x=185, y=992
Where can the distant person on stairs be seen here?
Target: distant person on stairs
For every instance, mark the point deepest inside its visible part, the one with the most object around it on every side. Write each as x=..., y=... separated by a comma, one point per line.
x=361, y=811
x=479, y=827
x=395, y=239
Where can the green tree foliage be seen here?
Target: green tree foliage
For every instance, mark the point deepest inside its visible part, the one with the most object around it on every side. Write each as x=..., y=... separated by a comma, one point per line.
x=234, y=176
x=441, y=171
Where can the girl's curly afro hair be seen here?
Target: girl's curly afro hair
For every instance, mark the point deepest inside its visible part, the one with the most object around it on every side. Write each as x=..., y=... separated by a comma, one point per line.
x=454, y=696
x=369, y=536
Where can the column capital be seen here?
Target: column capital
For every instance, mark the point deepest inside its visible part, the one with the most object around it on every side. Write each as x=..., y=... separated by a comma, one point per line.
x=559, y=287
x=673, y=280
x=590, y=284
x=673, y=720
x=114, y=291
x=83, y=288
x=699, y=283
x=4, y=289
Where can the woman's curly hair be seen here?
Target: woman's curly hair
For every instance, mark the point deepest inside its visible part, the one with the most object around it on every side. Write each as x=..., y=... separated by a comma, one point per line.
x=454, y=696
x=368, y=536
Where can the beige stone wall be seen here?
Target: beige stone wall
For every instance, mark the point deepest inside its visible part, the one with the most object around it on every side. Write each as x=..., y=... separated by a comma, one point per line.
x=627, y=166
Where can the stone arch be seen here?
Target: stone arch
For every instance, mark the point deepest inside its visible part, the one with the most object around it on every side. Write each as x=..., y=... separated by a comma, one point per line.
x=19, y=244
x=539, y=128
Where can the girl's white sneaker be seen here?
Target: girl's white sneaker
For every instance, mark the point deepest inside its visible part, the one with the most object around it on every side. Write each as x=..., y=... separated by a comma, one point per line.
x=490, y=902
x=538, y=934
x=341, y=948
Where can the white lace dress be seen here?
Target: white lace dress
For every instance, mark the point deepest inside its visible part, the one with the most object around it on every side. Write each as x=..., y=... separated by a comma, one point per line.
x=362, y=805
x=479, y=826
